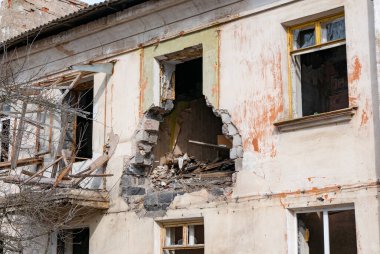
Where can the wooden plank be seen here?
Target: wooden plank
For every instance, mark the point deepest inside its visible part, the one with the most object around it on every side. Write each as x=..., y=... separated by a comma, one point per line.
x=35, y=181
x=21, y=162
x=100, y=161
x=62, y=175
x=43, y=169
x=207, y=144
x=89, y=175
x=58, y=151
x=28, y=173
x=19, y=135
x=72, y=85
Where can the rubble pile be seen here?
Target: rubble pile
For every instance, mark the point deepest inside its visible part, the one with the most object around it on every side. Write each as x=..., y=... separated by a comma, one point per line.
x=184, y=172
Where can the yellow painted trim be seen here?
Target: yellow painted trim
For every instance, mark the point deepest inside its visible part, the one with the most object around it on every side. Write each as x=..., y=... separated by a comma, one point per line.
x=318, y=44
x=318, y=33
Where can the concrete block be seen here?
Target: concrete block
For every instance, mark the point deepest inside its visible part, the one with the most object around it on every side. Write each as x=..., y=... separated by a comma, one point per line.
x=236, y=141
x=133, y=190
x=240, y=152
x=150, y=124
x=232, y=130
x=145, y=146
x=238, y=164
x=233, y=153
x=226, y=118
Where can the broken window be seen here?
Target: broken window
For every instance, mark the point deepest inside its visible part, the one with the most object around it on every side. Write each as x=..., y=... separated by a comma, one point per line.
x=5, y=136
x=185, y=238
x=79, y=132
x=327, y=231
x=73, y=241
x=318, y=54
x=190, y=138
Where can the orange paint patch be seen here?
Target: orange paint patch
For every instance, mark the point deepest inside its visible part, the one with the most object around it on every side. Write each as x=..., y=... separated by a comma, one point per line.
x=273, y=152
x=364, y=118
x=44, y=9
x=356, y=70
x=256, y=115
x=215, y=90
x=255, y=143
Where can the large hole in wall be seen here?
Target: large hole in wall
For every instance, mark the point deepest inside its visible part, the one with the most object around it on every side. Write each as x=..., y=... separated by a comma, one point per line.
x=184, y=144
x=190, y=139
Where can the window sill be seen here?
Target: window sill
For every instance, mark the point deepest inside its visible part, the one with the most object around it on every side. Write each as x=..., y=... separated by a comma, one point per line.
x=337, y=116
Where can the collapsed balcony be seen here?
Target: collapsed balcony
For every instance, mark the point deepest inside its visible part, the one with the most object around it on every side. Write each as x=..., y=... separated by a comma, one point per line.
x=49, y=149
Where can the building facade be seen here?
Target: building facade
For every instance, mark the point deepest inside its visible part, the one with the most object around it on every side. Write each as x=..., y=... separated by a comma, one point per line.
x=243, y=126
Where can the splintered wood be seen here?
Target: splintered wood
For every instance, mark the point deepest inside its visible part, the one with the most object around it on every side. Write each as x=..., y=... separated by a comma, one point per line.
x=63, y=164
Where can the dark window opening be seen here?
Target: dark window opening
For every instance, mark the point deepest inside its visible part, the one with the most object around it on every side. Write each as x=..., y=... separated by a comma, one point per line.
x=74, y=241
x=342, y=232
x=310, y=233
x=84, y=125
x=5, y=132
x=313, y=237
x=324, y=82
x=188, y=83
x=191, y=119
x=78, y=137
x=1, y=247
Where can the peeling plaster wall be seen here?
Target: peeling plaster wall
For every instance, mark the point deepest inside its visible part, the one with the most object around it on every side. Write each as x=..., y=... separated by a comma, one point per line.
x=280, y=171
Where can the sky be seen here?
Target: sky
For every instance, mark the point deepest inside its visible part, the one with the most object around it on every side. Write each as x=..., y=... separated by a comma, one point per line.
x=92, y=1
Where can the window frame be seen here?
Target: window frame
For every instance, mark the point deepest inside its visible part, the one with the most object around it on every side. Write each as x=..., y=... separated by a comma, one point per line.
x=294, y=86
x=326, y=226
x=185, y=228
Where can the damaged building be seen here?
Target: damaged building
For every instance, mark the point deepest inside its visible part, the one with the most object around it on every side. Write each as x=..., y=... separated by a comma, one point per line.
x=191, y=127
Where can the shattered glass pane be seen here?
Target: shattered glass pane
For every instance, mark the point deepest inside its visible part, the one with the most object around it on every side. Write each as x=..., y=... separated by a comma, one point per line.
x=334, y=30
x=303, y=38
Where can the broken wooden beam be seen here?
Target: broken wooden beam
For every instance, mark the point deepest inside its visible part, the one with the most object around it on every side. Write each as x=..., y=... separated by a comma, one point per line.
x=14, y=179
x=89, y=175
x=208, y=144
x=21, y=162
x=43, y=169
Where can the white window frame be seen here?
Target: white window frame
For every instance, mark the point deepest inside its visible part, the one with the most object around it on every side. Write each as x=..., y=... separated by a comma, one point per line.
x=293, y=225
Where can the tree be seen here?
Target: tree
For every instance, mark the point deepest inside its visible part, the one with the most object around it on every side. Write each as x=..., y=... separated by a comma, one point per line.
x=36, y=116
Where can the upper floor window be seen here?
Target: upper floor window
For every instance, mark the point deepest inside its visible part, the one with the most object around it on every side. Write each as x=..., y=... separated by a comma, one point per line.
x=318, y=65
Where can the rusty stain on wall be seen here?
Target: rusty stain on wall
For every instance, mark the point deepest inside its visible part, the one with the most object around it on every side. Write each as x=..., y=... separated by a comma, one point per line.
x=353, y=76
x=364, y=115
x=262, y=109
x=356, y=70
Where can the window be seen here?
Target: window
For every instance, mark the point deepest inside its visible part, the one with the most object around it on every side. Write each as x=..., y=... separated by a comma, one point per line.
x=326, y=231
x=79, y=132
x=5, y=125
x=73, y=241
x=183, y=238
x=318, y=65
x=5, y=132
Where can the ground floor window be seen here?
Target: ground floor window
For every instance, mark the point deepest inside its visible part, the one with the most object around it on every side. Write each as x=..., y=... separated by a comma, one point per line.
x=328, y=231
x=73, y=241
x=183, y=238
